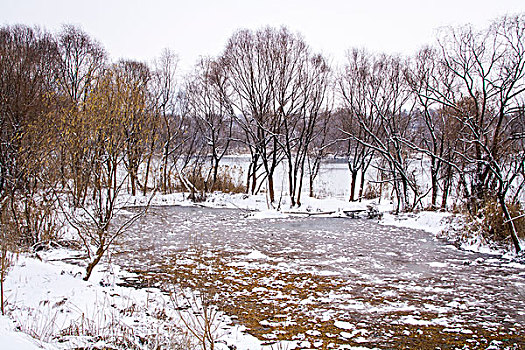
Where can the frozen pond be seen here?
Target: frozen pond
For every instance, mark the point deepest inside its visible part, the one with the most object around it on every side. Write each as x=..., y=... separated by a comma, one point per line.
x=325, y=281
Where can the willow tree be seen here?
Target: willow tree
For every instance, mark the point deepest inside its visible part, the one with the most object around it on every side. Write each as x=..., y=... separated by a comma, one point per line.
x=105, y=138
x=132, y=80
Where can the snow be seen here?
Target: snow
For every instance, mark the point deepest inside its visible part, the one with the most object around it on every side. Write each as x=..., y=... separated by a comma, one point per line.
x=430, y=221
x=10, y=339
x=256, y=255
x=437, y=264
x=414, y=321
x=268, y=214
x=344, y=325
x=48, y=295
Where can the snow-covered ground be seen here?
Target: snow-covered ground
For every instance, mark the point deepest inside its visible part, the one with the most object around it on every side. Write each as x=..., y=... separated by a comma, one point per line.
x=49, y=305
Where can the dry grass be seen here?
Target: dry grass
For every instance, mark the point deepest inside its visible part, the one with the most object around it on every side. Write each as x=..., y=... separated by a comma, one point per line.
x=371, y=191
x=491, y=224
x=494, y=224
x=226, y=182
x=104, y=326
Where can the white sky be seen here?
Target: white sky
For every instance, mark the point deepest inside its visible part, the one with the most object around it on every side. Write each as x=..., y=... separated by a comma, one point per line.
x=141, y=29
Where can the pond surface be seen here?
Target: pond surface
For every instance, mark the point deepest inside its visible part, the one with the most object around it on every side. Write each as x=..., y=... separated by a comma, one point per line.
x=325, y=282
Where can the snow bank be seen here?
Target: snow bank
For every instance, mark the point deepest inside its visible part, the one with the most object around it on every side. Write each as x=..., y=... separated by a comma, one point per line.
x=256, y=255
x=430, y=221
x=10, y=339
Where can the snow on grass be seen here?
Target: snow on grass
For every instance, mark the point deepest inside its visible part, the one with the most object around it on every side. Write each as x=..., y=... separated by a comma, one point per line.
x=49, y=299
x=430, y=221
x=56, y=309
x=10, y=339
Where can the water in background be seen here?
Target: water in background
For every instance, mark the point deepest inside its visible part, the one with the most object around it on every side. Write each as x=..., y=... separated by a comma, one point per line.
x=333, y=179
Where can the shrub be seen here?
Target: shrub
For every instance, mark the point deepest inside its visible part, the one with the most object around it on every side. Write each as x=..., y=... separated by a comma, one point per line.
x=371, y=192
x=492, y=225
x=9, y=239
x=226, y=182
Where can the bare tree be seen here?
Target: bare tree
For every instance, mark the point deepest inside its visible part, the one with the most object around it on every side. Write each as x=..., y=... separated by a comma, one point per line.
x=212, y=113
x=302, y=97
x=188, y=153
x=374, y=90
x=173, y=132
x=249, y=60
x=489, y=66
x=322, y=140
x=81, y=61
x=437, y=128
x=354, y=85
x=28, y=59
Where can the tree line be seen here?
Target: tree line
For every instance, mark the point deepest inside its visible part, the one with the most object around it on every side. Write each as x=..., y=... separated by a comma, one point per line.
x=77, y=130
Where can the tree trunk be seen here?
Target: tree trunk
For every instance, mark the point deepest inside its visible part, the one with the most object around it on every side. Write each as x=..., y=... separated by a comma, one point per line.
x=311, y=186
x=3, y=273
x=254, y=177
x=91, y=265
x=2, y=292
x=300, y=189
x=165, y=170
x=362, y=185
x=446, y=187
x=510, y=221
x=434, y=180
x=352, y=185
x=248, y=178
x=145, y=190
x=270, y=189
x=148, y=164
x=215, y=173
x=132, y=179
x=292, y=179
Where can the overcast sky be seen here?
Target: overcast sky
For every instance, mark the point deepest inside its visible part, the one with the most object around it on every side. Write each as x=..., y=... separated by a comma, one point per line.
x=141, y=29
